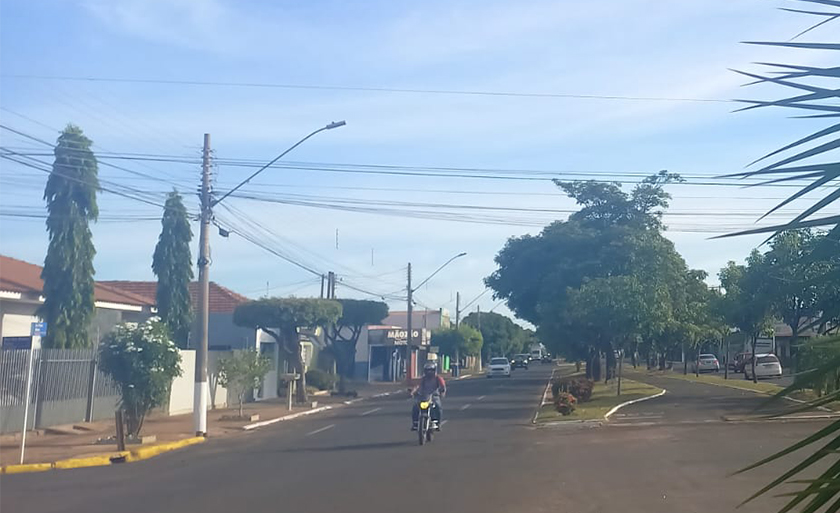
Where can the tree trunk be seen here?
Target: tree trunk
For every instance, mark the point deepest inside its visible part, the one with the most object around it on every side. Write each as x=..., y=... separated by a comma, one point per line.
x=596, y=365
x=577, y=365
x=610, y=357
x=752, y=360
x=697, y=362
x=685, y=361
x=662, y=361
x=241, y=400
x=634, y=359
x=300, y=396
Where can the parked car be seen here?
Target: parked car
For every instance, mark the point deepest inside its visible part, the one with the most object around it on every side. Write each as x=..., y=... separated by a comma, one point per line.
x=740, y=360
x=706, y=363
x=498, y=367
x=766, y=366
x=546, y=358
x=520, y=361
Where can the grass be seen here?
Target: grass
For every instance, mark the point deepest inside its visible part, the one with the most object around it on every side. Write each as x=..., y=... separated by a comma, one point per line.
x=604, y=398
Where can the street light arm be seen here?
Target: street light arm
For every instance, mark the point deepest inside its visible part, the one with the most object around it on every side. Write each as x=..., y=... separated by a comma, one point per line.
x=439, y=269
x=334, y=124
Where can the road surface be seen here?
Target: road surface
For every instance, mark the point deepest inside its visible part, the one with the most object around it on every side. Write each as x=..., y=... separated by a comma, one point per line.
x=659, y=456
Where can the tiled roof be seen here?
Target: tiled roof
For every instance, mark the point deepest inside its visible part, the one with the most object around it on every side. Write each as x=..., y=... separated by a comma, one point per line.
x=222, y=299
x=19, y=276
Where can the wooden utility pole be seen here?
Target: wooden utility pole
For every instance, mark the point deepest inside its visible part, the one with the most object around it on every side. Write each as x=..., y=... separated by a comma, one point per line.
x=457, y=309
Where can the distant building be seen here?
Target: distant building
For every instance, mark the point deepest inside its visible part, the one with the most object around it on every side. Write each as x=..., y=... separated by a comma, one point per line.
x=420, y=318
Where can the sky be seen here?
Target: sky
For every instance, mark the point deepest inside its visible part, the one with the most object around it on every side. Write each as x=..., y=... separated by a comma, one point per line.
x=666, y=66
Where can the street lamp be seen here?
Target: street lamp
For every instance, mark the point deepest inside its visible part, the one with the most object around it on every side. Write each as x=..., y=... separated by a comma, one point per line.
x=202, y=390
x=411, y=300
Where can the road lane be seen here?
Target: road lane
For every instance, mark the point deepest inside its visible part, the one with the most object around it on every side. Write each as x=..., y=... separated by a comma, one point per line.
x=487, y=459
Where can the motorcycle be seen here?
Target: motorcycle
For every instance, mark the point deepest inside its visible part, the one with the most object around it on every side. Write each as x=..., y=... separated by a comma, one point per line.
x=425, y=429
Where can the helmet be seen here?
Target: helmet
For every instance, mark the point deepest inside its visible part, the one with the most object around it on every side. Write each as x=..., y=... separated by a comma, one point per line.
x=430, y=368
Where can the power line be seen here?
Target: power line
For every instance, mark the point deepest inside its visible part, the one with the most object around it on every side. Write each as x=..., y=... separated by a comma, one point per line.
x=401, y=90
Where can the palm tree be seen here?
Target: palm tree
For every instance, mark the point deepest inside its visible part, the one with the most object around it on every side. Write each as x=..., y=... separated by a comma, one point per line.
x=805, y=163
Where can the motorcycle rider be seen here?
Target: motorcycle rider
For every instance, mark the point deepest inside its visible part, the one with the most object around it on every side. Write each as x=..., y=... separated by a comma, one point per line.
x=430, y=385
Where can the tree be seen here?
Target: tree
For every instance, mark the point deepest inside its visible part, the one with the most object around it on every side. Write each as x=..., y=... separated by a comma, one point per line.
x=464, y=340
x=68, y=267
x=172, y=265
x=747, y=304
x=243, y=371
x=142, y=361
x=500, y=334
x=344, y=334
x=282, y=318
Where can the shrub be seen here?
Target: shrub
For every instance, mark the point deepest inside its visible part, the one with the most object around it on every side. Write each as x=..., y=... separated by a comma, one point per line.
x=565, y=403
x=320, y=379
x=579, y=387
x=142, y=361
x=242, y=372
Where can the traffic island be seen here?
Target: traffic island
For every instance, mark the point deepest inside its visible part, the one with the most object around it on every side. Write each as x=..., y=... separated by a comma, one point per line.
x=603, y=403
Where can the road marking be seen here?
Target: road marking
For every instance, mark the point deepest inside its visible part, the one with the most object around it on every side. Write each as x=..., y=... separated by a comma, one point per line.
x=287, y=417
x=634, y=401
x=464, y=407
x=320, y=430
x=370, y=411
x=481, y=397
x=444, y=422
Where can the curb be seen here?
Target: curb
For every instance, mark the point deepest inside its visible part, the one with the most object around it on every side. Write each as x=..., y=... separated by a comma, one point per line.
x=542, y=397
x=634, y=401
x=139, y=454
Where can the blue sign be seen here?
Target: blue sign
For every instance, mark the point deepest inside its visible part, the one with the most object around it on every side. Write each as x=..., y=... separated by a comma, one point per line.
x=39, y=329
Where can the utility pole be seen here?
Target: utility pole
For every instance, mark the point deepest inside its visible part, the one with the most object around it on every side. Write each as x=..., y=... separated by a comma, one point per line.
x=331, y=285
x=457, y=309
x=201, y=386
x=478, y=321
x=323, y=278
x=409, y=314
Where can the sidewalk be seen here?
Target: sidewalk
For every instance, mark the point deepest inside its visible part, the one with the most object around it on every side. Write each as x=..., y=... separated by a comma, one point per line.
x=42, y=447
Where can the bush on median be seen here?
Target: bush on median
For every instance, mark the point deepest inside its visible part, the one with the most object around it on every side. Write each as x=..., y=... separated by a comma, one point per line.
x=579, y=387
x=565, y=403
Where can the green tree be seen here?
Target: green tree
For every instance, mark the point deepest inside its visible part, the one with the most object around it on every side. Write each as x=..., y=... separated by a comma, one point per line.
x=142, y=361
x=282, y=319
x=465, y=340
x=344, y=334
x=172, y=265
x=500, y=334
x=68, y=269
x=243, y=371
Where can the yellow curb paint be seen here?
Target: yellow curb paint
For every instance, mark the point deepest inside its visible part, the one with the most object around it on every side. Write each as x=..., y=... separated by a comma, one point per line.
x=138, y=454
x=92, y=461
x=142, y=453
x=27, y=467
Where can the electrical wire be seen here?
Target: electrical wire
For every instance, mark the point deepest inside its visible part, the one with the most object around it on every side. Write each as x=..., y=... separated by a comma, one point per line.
x=402, y=90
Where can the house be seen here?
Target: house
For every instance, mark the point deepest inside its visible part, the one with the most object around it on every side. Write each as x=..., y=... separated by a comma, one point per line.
x=224, y=335
x=21, y=289
x=383, y=354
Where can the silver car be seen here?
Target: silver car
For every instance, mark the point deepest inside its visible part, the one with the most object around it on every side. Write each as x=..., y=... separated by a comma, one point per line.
x=706, y=363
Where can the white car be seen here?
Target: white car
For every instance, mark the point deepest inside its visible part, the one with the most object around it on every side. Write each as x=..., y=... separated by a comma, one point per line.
x=766, y=366
x=707, y=363
x=498, y=367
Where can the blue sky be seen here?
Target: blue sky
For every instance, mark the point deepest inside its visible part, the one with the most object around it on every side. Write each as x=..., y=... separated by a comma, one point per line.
x=678, y=49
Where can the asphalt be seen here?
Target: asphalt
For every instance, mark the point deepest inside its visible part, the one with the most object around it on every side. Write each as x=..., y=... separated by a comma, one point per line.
x=489, y=458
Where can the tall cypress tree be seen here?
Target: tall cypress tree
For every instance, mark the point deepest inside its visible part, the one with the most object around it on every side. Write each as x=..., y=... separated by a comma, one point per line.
x=172, y=265
x=68, y=270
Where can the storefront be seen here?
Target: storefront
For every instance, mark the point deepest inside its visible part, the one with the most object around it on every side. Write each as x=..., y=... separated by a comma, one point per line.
x=389, y=355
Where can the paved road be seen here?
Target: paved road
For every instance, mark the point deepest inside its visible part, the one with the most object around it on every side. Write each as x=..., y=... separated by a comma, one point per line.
x=488, y=459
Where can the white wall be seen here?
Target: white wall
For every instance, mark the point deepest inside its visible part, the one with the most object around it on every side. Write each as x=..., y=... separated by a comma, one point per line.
x=183, y=387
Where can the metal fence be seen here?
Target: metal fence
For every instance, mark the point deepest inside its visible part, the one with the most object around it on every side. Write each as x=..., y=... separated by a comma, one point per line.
x=66, y=387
